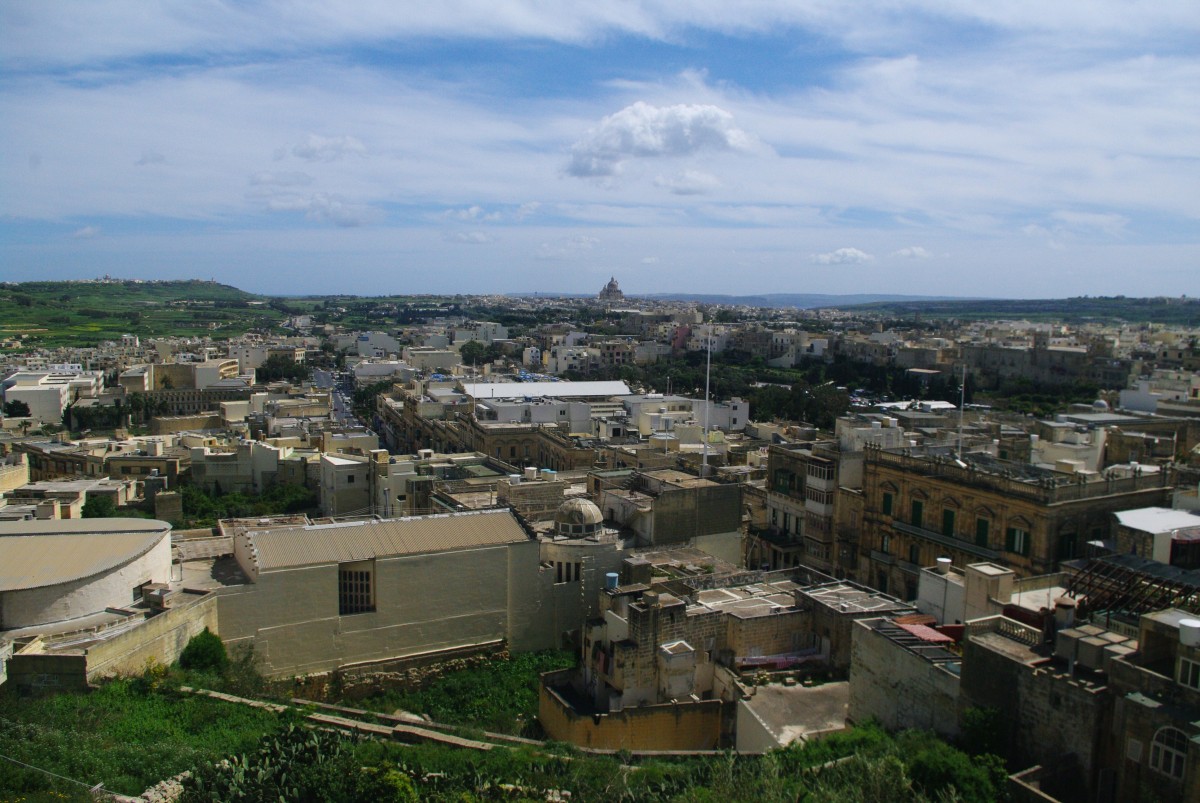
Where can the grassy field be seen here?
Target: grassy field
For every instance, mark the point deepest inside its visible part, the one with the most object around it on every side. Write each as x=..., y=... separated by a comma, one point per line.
x=51, y=314
x=1097, y=309
x=499, y=695
x=123, y=735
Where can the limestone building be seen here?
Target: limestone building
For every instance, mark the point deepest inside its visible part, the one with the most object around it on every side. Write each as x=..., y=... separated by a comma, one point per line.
x=55, y=571
x=318, y=597
x=920, y=504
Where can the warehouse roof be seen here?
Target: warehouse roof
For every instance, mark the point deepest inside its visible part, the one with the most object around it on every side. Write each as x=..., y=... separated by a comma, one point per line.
x=561, y=390
x=34, y=554
x=288, y=547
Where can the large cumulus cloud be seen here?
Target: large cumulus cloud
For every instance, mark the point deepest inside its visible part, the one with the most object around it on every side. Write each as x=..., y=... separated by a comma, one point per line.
x=642, y=131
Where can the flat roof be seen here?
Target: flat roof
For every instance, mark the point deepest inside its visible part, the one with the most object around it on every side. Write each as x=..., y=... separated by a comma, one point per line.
x=512, y=390
x=34, y=554
x=1158, y=519
x=82, y=527
x=852, y=598
x=317, y=544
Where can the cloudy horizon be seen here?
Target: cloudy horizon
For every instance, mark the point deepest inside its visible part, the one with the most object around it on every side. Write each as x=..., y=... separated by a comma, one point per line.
x=917, y=147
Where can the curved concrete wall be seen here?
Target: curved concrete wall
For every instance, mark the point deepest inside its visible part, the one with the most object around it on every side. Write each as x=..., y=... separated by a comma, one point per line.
x=113, y=588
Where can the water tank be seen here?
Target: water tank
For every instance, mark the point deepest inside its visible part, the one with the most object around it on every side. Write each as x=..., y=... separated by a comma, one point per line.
x=611, y=580
x=531, y=473
x=515, y=479
x=1189, y=632
x=1064, y=612
x=943, y=565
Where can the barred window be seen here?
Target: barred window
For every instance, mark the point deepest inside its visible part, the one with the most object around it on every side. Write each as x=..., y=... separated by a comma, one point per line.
x=356, y=587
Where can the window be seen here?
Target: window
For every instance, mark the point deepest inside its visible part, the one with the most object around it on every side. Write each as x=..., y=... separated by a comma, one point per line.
x=914, y=554
x=350, y=479
x=1017, y=540
x=820, y=471
x=947, y=521
x=356, y=592
x=1189, y=673
x=818, y=496
x=1168, y=751
x=917, y=511
x=982, y=532
x=885, y=545
x=888, y=500
x=784, y=480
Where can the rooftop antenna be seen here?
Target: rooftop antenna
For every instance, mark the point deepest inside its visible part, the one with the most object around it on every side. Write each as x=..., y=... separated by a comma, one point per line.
x=707, y=402
x=962, y=403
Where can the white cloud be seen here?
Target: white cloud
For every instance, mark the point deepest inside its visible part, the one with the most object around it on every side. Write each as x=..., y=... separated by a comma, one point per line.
x=689, y=182
x=526, y=210
x=650, y=260
x=1106, y=223
x=566, y=247
x=468, y=237
x=842, y=256
x=114, y=29
x=642, y=131
x=473, y=213
x=324, y=208
x=911, y=131
x=86, y=233
x=912, y=252
x=267, y=178
x=328, y=149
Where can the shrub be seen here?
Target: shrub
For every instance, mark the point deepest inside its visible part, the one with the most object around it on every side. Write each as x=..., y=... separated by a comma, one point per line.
x=204, y=653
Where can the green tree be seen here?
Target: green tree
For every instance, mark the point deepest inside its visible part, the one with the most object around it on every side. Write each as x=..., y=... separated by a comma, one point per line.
x=99, y=507
x=204, y=653
x=278, y=366
x=474, y=352
x=16, y=409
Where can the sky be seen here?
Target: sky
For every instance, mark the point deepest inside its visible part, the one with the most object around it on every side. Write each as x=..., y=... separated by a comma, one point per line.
x=928, y=147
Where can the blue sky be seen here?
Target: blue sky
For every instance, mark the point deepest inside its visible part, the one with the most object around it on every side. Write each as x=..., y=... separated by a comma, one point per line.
x=1019, y=149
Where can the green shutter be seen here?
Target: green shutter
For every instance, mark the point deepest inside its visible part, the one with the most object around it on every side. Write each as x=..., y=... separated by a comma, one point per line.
x=981, y=532
x=1010, y=539
x=887, y=503
x=918, y=513
x=948, y=522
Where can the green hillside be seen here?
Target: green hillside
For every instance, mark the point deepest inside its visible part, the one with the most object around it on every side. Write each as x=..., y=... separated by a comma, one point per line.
x=83, y=313
x=1102, y=309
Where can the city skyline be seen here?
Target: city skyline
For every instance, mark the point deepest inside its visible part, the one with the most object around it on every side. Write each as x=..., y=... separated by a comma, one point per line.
x=1018, y=151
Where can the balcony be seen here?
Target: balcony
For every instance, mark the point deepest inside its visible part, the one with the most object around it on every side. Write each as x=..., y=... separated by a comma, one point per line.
x=882, y=557
x=947, y=541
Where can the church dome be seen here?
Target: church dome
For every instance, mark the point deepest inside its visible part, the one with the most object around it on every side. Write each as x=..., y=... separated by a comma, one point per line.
x=576, y=518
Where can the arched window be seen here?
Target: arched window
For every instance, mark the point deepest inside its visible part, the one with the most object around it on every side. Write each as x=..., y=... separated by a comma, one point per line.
x=1168, y=752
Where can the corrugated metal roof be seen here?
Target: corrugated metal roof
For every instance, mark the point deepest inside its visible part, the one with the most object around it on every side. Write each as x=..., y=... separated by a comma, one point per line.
x=288, y=547
x=35, y=561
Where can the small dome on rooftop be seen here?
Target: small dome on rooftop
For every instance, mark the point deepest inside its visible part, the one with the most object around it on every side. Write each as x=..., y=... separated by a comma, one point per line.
x=578, y=517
